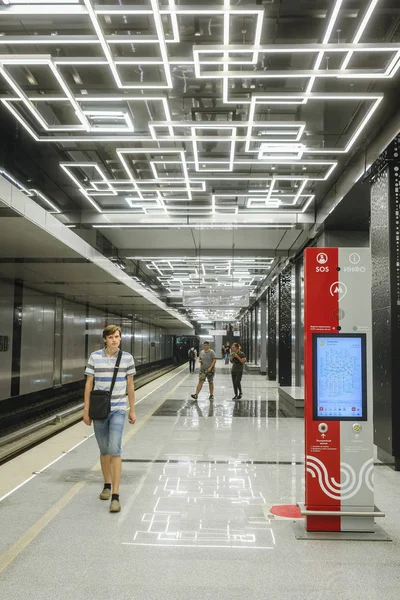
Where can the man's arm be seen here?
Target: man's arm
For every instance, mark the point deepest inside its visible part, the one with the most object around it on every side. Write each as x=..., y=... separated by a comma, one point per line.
x=242, y=359
x=86, y=399
x=131, y=399
x=212, y=364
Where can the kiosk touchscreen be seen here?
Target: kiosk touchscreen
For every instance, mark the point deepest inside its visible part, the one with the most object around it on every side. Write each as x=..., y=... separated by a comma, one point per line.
x=339, y=377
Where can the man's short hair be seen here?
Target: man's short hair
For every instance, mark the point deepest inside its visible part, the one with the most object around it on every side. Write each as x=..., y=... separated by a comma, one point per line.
x=110, y=330
x=208, y=343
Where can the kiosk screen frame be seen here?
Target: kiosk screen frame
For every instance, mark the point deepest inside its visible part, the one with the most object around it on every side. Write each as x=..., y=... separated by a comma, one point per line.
x=316, y=337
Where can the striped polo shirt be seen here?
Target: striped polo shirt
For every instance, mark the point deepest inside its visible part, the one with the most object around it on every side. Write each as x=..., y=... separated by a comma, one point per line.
x=101, y=367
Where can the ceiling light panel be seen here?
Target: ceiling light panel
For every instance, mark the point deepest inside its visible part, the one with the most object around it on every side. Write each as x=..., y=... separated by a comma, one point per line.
x=224, y=276
x=157, y=76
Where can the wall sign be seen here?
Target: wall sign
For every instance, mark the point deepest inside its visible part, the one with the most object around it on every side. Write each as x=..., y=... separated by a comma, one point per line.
x=4, y=339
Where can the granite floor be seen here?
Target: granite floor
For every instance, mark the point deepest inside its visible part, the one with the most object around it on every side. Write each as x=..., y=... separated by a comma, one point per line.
x=198, y=483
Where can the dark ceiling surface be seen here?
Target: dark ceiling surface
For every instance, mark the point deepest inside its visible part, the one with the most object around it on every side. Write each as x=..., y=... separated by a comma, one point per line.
x=353, y=214
x=155, y=114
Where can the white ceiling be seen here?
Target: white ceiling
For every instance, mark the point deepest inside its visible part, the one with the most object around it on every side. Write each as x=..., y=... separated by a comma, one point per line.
x=192, y=131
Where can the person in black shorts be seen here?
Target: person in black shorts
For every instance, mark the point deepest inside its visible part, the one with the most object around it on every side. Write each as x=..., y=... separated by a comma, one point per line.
x=238, y=360
x=192, y=355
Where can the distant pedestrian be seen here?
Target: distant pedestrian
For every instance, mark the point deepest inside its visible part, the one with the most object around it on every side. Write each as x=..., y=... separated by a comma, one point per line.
x=238, y=360
x=105, y=367
x=207, y=361
x=192, y=355
x=227, y=353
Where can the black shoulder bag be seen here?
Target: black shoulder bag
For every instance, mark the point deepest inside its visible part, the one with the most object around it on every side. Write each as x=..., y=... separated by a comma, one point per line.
x=100, y=400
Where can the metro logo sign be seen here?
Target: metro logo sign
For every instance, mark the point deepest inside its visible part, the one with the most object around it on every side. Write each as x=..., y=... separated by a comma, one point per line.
x=338, y=289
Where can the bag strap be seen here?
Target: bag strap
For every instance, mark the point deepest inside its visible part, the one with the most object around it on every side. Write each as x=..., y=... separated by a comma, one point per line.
x=115, y=371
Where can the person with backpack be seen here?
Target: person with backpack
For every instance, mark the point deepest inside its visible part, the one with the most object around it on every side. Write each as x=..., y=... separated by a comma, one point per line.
x=227, y=353
x=192, y=355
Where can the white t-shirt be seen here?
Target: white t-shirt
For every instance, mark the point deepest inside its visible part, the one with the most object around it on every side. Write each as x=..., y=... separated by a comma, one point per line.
x=101, y=367
x=207, y=358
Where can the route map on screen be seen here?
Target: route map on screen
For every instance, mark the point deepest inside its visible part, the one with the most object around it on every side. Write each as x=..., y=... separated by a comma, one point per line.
x=339, y=390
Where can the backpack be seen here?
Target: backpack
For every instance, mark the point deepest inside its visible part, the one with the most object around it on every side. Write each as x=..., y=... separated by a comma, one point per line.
x=191, y=354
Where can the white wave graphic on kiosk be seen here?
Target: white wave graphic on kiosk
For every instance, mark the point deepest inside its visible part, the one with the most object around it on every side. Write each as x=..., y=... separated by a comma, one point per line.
x=351, y=484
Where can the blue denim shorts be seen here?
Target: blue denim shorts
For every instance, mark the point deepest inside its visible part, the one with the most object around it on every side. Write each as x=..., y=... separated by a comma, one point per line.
x=108, y=433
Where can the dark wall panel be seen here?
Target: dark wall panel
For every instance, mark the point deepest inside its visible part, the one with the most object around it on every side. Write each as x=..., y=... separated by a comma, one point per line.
x=381, y=311
x=385, y=250
x=16, y=338
x=271, y=329
x=6, y=333
x=285, y=328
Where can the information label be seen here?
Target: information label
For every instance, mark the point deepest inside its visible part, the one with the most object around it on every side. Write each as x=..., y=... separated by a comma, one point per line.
x=339, y=377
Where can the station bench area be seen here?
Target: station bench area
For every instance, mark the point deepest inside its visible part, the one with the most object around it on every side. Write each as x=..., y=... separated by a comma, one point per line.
x=291, y=401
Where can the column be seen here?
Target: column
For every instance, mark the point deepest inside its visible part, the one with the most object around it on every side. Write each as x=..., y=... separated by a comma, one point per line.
x=218, y=339
x=285, y=328
x=298, y=346
x=255, y=342
x=251, y=335
x=271, y=335
x=263, y=349
x=385, y=250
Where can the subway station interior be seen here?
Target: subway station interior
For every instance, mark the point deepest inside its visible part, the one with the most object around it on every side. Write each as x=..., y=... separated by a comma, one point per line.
x=201, y=174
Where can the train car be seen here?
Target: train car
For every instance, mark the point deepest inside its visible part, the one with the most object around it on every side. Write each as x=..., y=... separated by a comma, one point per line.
x=182, y=344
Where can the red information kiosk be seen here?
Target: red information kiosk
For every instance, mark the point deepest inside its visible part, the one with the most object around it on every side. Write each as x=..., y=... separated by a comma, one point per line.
x=339, y=498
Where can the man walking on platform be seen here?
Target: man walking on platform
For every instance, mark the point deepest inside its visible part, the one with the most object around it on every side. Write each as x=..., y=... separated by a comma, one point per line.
x=238, y=360
x=110, y=369
x=207, y=361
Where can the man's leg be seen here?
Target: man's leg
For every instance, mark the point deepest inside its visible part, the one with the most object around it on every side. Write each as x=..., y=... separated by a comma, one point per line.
x=199, y=386
x=114, y=448
x=239, y=383
x=101, y=431
x=116, y=469
x=234, y=383
x=106, y=467
x=210, y=378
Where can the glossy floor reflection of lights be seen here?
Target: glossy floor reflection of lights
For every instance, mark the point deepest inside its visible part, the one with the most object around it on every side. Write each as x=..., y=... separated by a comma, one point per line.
x=198, y=482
